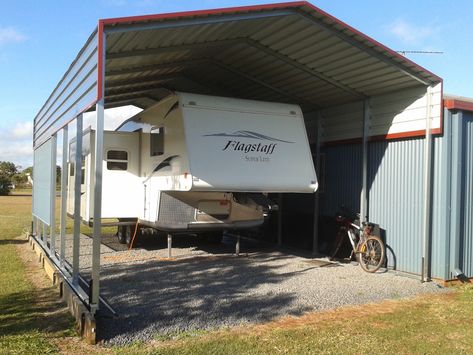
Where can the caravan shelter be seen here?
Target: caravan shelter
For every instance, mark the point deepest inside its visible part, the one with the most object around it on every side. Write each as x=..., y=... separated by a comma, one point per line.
x=376, y=121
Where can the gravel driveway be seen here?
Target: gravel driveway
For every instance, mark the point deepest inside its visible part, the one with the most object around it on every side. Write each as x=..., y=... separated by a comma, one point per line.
x=204, y=286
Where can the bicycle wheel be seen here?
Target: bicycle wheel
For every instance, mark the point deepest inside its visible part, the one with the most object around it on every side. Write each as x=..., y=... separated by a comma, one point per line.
x=371, y=254
x=338, y=242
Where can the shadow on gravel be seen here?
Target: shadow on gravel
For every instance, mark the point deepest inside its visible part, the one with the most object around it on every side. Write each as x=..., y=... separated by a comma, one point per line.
x=160, y=297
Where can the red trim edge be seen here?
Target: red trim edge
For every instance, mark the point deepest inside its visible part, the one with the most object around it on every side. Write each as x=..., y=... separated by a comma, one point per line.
x=383, y=137
x=171, y=15
x=456, y=104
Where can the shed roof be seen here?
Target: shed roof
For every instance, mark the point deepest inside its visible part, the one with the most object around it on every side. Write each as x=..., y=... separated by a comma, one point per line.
x=289, y=52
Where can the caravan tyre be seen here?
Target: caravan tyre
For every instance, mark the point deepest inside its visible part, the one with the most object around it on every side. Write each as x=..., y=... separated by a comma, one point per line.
x=128, y=234
x=121, y=234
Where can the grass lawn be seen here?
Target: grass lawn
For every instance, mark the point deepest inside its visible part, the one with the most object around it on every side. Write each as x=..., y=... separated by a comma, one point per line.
x=30, y=324
x=22, y=326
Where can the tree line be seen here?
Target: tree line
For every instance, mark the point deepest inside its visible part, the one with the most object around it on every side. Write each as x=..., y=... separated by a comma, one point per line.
x=13, y=176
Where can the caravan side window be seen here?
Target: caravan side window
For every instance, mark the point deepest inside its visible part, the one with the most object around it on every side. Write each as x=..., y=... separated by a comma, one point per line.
x=117, y=160
x=156, y=141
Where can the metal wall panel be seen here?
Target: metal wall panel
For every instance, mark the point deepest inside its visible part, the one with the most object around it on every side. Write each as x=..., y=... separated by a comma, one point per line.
x=440, y=210
x=342, y=170
x=76, y=91
x=42, y=178
x=395, y=183
x=396, y=112
x=466, y=243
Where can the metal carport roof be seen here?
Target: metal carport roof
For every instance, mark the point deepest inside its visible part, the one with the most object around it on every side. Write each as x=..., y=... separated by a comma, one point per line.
x=289, y=52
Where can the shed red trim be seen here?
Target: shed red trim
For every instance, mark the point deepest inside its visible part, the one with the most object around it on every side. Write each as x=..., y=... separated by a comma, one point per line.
x=223, y=10
x=387, y=137
x=457, y=104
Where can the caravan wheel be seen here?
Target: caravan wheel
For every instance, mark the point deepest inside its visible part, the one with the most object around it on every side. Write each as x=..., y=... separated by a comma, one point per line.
x=128, y=234
x=121, y=234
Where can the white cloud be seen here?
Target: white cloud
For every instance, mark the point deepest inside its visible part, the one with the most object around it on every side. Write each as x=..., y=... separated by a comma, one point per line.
x=16, y=141
x=409, y=33
x=10, y=35
x=16, y=144
x=23, y=130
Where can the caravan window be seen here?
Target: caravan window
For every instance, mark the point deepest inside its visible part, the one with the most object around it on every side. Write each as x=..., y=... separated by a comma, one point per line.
x=157, y=141
x=117, y=160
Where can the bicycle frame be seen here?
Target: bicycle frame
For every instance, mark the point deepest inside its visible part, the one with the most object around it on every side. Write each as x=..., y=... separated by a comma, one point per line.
x=368, y=248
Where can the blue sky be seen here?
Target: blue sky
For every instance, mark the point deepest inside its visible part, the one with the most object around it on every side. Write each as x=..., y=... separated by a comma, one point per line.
x=39, y=39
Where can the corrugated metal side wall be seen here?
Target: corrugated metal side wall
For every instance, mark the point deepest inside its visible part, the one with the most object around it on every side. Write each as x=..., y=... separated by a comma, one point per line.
x=395, y=181
x=395, y=185
x=466, y=255
x=342, y=170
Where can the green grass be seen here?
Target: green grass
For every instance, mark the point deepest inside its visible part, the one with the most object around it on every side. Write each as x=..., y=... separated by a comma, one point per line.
x=20, y=329
x=436, y=324
x=440, y=324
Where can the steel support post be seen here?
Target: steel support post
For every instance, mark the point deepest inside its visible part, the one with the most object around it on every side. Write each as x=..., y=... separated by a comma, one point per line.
x=52, y=224
x=456, y=194
x=364, y=171
x=427, y=188
x=315, y=239
x=97, y=228
x=169, y=246
x=77, y=198
x=64, y=174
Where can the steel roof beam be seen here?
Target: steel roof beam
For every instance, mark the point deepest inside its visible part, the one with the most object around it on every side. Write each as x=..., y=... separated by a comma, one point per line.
x=364, y=47
x=250, y=42
x=304, y=68
x=161, y=50
x=167, y=65
x=127, y=27
x=263, y=83
x=136, y=82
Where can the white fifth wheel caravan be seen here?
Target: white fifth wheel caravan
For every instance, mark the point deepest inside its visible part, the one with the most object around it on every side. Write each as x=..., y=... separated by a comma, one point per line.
x=197, y=163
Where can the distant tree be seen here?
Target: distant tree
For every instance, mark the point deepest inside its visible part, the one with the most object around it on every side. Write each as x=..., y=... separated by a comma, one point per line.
x=7, y=171
x=8, y=168
x=5, y=182
x=29, y=170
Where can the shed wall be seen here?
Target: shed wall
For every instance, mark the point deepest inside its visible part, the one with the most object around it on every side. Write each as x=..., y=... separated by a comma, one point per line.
x=395, y=182
x=466, y=238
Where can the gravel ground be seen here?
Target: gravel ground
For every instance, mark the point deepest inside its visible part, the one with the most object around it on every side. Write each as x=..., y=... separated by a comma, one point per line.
x=204, y=286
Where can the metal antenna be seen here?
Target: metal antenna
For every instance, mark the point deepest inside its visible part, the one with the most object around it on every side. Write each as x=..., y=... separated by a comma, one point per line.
x=405, y=53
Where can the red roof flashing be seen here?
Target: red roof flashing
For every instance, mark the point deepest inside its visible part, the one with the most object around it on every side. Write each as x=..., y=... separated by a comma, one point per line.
x=458, y=104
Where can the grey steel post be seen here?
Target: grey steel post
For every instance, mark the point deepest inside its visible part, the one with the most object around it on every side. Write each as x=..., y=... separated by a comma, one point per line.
x=456, y=193
x=52, y=226
x=62, y=249
x=169, y=246
x=427, y=188
x=77, y=198
x=364, y=172
x=97, y=228
x=315, y=241
x=237, y=246
x=280, y=219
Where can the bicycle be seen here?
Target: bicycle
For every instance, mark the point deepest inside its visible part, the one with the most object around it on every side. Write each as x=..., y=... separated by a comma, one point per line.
x=368, y=248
